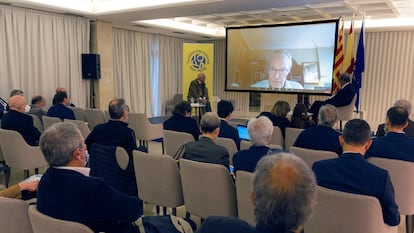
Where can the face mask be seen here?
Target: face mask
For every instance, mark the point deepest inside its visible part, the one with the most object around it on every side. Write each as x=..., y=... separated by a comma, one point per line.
x=87, y=158
x=27, y=108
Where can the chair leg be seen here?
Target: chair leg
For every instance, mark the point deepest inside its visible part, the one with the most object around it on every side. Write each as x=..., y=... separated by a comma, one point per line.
x=340, y=126
x=26, y=173
x=409, y=223
x=157, y=209
x=7, y=172
x=164, y=210
x=174, y=211
x=36, y=170
x=162, y=146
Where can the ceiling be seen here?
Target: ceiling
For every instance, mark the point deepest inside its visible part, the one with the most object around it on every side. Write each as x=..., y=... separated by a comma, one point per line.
x=217, y=14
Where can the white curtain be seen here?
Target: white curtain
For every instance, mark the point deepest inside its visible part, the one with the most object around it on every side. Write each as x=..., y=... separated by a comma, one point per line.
x=41, y=51
x=147, y=69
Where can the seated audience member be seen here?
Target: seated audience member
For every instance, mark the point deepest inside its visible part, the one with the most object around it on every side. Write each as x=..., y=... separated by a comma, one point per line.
x=278, y=115
x=352, y=173
x=395, y=144
x=37, y=106
x=205, y=150
x=60, y=109
x=284, y=194
x=67, y=192
x=343, y=96
x=409, y=130
x=300, y=118
x=181, y=120
x=322, y=136
x=116, y=132
x=260, y=132
x=56, y=101
x=224, y=111
x=16, y=92
x=16, y=119
x=16, y=191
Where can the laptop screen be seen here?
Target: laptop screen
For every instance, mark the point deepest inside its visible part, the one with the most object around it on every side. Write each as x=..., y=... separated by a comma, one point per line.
x=243, y=133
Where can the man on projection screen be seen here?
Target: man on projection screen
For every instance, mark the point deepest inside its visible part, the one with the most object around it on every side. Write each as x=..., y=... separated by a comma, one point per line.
x=278, y=67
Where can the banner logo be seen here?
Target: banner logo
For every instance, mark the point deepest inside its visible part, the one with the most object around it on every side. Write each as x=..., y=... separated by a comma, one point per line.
x=198, y=60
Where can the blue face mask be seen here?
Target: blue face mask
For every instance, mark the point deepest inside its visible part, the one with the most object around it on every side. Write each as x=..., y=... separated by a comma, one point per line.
x=87, y=158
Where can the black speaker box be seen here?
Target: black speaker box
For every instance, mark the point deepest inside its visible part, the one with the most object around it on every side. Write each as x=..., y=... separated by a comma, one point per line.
x=91, y=66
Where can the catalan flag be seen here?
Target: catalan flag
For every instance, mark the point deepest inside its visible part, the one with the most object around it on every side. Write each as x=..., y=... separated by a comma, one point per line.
x=349, y=60
x=339, y=58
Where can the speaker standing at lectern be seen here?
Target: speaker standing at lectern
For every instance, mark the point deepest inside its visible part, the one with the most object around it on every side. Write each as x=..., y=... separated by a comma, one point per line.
x=198, y=91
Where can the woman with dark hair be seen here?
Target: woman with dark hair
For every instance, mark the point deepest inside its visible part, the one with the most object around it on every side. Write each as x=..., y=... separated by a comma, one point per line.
x=278, y=115
x=300, y=118
x=181, y=120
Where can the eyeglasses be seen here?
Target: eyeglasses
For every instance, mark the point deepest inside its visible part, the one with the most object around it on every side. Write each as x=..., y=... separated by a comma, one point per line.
x=273, y=70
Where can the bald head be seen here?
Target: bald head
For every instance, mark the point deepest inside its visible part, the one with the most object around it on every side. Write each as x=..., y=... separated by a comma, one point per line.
x=201, y=77
x=17, y=103
x=60, y=89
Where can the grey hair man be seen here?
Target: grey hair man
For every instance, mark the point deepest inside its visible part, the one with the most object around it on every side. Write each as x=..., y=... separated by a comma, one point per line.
x=284, y=194
x=322, y=136
x=260, y=133
x=205, y=150
x=85, y=198
x=409, y=130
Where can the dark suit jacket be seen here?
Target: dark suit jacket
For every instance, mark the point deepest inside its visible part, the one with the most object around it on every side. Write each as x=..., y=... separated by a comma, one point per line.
x=69, y=195
x=246, y=160
x=281, y=122
x=343, y=97
x=22, y=123
x=113, y=133
x=228, y=131
x=409, y=130
x=392, y=146
x=61, y=111
x=182, y=124
x=222, y=224
x=197, y=90
x=205, y=150
x=351, y=173
x=319, y=138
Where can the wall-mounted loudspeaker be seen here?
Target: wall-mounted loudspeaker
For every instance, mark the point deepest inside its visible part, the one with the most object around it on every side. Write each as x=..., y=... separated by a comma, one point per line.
x=91, y=66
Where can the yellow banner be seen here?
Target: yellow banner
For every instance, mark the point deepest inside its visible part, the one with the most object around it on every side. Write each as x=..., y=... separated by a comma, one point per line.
x=198, y=58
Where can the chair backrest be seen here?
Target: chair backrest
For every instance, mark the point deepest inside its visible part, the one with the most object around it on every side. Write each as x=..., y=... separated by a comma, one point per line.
x=94, y=116
x=17, y=153
x=346, y=112
x=244, y=188
x=208, y=189
x=14, y=216
x=82, y=125
x=80, y=114
x=277, y=137
x=245, y=144
x=111, y=164
x=48, y=121
x=37, y=122
x=158, y=179
x=342, y=212
x=401, y=173
x=230, y=146
x=310, y=156
x=143, y=128
x=290, y=136
x=42, y=223
x=173, y=140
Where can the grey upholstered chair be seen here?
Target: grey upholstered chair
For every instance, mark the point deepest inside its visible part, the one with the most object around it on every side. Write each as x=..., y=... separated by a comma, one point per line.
x=42, y=223
x=82, y=125
x=230, y=146
x=94, y=116
x=14, y=216
x=208, y=189
x=37, y=122
x=401, y=173
x=310, y=156
x=277, y=137
x=245, y=144
x=244, y=188
x=158, y=180
x=18, y=154
x=144, y=130
x=290, y=136
x=80, y=114
x=173, y=140
x=48, y=121
x=342, y=212
x=346, y=113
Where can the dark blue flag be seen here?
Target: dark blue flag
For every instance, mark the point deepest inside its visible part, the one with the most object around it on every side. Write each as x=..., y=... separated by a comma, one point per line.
x=359, y=66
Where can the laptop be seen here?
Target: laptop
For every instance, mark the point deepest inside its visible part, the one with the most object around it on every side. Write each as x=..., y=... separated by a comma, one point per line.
x=243, y=133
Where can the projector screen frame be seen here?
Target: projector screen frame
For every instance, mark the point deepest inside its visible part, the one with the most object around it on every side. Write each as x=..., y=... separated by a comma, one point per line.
x=327, y=89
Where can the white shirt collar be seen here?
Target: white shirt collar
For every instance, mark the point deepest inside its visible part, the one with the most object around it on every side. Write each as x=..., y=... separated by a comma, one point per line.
x=82, y=170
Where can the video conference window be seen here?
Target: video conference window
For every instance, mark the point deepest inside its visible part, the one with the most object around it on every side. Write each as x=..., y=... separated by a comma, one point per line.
x=289, y=58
